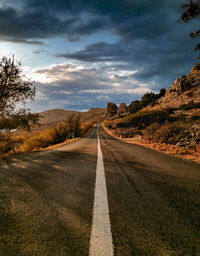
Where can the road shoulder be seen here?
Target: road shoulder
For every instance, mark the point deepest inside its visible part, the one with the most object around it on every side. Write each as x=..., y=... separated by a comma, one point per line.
x=160, y=147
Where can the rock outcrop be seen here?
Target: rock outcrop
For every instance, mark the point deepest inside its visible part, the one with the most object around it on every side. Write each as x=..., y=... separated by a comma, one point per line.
x=191, y=138
x=122, y=110
x=111, y=111
x=184, y=90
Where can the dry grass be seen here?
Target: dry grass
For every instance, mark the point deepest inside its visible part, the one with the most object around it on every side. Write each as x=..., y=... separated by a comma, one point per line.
x=166, y=133
x=38, y=140
x=159, y=137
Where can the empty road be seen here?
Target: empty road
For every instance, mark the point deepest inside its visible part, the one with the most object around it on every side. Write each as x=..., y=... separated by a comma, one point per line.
x=48, y=200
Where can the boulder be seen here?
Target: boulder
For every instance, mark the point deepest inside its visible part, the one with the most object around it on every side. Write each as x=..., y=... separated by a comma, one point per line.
x=122, y=110
x=111, y=111
x=179, y=144
x=177, y=86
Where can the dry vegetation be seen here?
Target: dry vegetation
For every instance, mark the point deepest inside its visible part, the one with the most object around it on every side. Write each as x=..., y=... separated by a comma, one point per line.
x=160, y=129
x=37, y=140
x=55, y=126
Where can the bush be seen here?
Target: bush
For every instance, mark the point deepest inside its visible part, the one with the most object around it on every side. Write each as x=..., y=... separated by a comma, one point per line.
x=46, y=138
x=150, y=98
x=55, y=135
x=147, y=99
x=69, y=129
x=134, y=107
x=144, y=119
x=6, y=144
x=190, y=105
x=169, y=133
x=85, y=127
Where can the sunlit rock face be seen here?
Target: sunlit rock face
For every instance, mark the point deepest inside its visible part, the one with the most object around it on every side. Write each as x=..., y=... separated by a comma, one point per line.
x=122, y=110
x=184, y=90
x=111, y=111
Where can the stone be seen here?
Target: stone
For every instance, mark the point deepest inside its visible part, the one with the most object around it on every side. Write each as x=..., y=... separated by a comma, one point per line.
x=122, y=110
x=179, y=145
x=111, y=111
x=192, y=143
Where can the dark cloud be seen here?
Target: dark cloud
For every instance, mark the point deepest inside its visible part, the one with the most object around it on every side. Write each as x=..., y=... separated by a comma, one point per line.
x=130, y=19
x=150, y=40
x=21, y=41
x=37, y=20
x=156, y=61
x=76, y=86
x=98, y=52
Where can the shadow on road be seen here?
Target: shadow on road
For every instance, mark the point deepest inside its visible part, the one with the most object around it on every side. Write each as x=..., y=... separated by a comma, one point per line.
x=46, y=202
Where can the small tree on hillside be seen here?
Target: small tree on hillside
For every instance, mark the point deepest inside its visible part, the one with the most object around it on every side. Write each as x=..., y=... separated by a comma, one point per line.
x=148, y=98
x=14, y=90
x=73, y=126
x=77, y=126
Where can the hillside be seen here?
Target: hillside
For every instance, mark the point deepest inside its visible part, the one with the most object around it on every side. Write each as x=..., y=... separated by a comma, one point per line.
x=185, y=90
x=53, y=129
x=52, y=117
x=93, y=115
x=168, y=121
x=55, y=115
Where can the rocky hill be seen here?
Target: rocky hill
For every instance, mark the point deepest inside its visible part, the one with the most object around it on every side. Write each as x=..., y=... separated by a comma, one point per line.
x=182, y=96
x=184, y=90
x=168, y=121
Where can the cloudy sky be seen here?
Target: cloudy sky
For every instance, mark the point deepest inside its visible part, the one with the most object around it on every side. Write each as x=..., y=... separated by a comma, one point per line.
x=85, y=53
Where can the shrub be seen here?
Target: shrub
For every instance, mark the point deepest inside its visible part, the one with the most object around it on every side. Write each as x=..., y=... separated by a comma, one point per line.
x=134, y=107
x=85, y=127
x=147, y=99
x=150, y=98
x=6, y=144
x=190, y=105
x=190, y=94
x=169, y=133
x=55, y=135
x=144, y=119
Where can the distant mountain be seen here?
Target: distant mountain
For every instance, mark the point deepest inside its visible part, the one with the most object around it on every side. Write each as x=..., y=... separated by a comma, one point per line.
x=93, y=115
x=55, y=115
x=52, y=117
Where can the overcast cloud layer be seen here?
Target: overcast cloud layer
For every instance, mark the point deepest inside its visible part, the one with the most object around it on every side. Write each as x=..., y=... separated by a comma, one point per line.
x=125, y=48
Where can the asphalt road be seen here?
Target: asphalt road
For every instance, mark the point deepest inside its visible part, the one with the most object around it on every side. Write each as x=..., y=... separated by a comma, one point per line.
x=46, y=200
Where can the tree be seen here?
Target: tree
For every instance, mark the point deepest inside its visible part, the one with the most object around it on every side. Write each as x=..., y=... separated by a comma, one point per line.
x=77, y=126
x=161, y=93
x=134, y=106
x=191, y=11
x=15, y=91
x=148, y=98
x=73, y=126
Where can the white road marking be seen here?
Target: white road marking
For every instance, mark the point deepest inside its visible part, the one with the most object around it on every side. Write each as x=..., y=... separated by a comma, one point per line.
x=101, y=237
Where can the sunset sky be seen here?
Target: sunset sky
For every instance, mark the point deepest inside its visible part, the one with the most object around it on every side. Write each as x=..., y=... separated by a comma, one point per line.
x=83, y=54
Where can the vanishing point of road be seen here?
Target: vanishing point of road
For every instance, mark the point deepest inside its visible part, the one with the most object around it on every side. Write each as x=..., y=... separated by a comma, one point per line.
x=99, y=196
